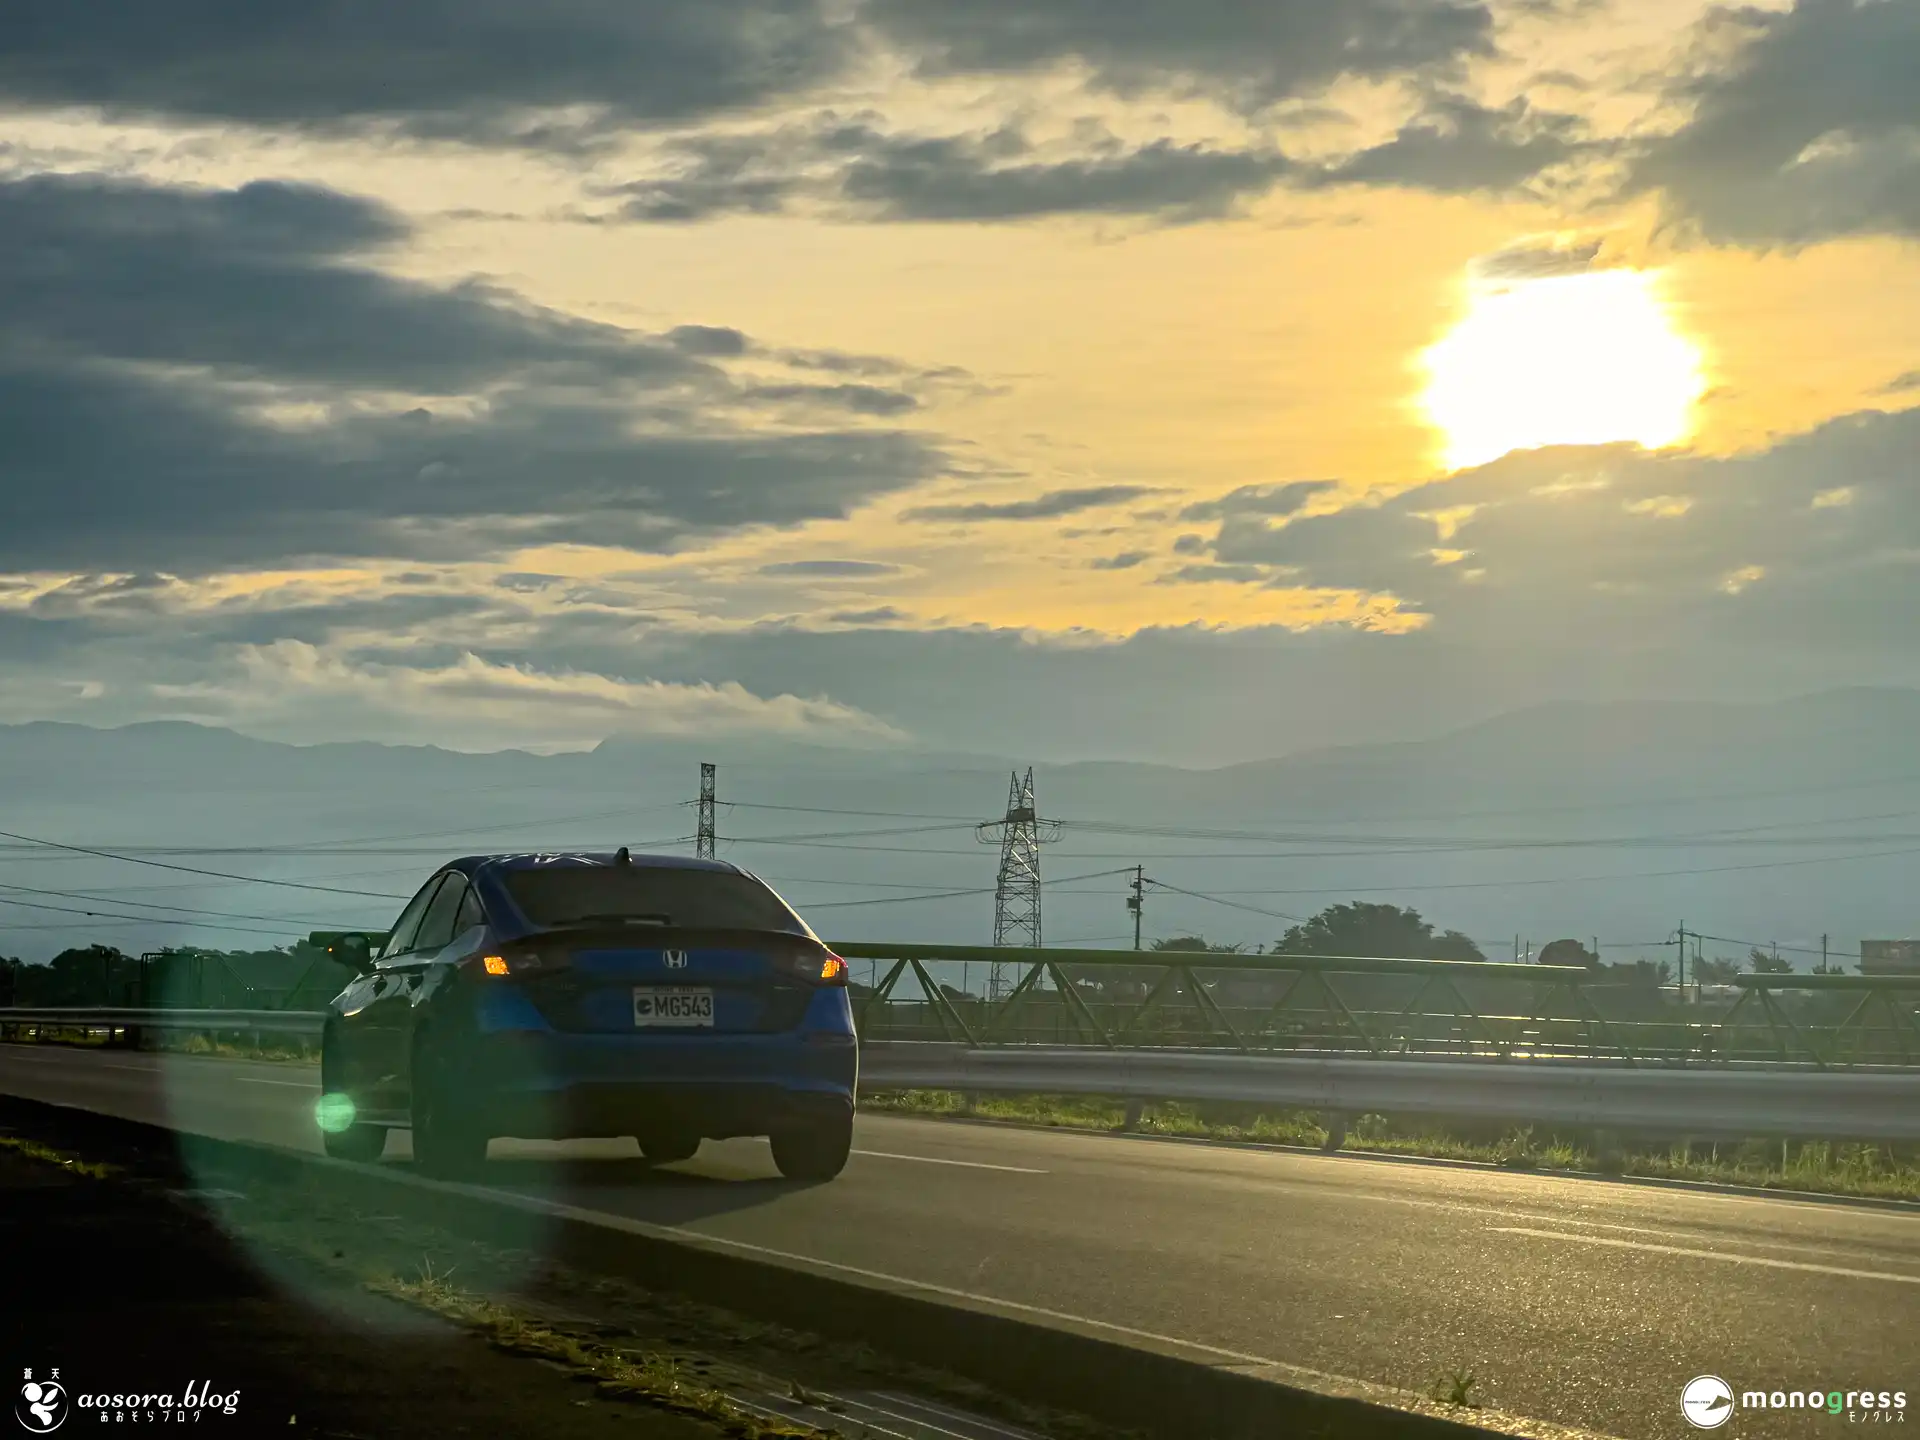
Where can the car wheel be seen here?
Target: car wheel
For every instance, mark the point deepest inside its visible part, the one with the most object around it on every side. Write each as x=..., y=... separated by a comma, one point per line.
x=354, y=1141
x=361, y=1143
x=665, y=1147
x=814, y=1151
x=449, y=1140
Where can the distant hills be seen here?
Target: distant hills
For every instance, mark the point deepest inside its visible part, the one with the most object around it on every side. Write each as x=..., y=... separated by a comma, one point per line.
x=1494, y=828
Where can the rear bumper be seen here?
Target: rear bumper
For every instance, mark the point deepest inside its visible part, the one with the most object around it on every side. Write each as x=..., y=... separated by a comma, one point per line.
x=544, y=1085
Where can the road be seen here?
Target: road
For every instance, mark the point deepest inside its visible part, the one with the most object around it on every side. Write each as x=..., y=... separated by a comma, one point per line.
x=1584, y=1302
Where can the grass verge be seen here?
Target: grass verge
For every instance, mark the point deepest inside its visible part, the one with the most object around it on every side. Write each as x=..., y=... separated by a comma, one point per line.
x=47, y=1155
x=1831, y=1167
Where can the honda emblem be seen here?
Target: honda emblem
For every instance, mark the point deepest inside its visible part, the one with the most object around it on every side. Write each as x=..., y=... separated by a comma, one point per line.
x=676, y=959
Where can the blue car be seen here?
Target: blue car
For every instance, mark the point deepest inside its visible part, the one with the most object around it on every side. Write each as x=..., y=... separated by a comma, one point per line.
x=561, y=996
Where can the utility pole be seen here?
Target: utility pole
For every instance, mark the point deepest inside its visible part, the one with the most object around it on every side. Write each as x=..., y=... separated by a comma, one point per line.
x=1016, y=895
x=1681, y=952
x=1823, y=954
x=703, y=834
x=1137, y=901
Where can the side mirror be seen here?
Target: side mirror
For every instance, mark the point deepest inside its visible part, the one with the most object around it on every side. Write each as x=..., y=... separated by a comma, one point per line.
x=353, y=951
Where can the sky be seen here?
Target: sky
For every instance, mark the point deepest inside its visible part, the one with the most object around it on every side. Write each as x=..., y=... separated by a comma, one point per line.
x=1066, y=378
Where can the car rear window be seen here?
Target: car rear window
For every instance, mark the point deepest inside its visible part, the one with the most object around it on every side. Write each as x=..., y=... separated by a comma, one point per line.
x=699, y=899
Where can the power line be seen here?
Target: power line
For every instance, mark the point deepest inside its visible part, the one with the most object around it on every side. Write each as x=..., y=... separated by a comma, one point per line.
x=898, y=899
x=192, y=870
x=1232, y=904
x=1585, y=879
x=137, y=919
x=825, y=810
x=151, y=905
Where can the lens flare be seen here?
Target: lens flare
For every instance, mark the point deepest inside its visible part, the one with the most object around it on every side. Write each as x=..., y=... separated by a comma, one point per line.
x=334, y=1113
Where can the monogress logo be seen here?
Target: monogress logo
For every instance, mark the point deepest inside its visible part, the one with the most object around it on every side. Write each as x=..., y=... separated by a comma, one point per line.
x=1707, y=1402
x=43, y=1405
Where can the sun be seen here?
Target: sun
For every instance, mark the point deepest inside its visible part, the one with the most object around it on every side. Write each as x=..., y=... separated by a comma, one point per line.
x=1585, y=359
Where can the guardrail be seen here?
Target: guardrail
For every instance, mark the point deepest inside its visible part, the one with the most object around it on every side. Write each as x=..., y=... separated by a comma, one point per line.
x=303, y=1023
x=1704, y=1102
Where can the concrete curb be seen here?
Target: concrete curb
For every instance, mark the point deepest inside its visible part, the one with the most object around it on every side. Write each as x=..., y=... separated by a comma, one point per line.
x=1144, y=1384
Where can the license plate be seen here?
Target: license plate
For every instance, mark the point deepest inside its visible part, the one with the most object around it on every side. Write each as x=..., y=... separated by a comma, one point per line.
x=689, y=1009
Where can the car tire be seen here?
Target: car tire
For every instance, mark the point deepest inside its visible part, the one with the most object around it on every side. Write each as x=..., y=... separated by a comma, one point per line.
x=816, y=1150
x=669, y=1146
x=449, y=1140
x=362, y=1144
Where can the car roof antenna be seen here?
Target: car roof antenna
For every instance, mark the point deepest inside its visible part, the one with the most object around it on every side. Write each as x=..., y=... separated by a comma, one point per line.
x=623, y=856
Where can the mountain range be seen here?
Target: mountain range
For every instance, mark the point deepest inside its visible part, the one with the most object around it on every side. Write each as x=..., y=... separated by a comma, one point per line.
x=1759, y=824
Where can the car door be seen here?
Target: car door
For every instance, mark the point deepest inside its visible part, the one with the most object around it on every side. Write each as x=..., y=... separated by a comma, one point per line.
x=354, y=1062
x=396, y=1012
x=388, y=1003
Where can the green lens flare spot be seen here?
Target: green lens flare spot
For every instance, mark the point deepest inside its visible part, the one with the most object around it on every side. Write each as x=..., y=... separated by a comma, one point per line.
x=334, y=1113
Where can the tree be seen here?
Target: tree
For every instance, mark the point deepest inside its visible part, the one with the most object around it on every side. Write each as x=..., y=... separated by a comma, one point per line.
x=93, y=976
x=1651, y=973
x=1191, y=943
x=1715, y=971
x=1766, y=964
x=1567, y=952
x=1385, y=931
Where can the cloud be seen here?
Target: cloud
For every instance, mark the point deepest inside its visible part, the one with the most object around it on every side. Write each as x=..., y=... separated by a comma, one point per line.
x=859, y=399
x=1049, y=506
x=859, y=170
x=1811, y=129
x=708, y=341
x=1604, y=541
x=1271, y=500
x=830, y=568
x=1458, y=147
x=550, y=75
x=1902, y=384
x=291, y=686
x=1125, y=561
x=879, y=615
x=1246, y=55
x=198, y=378
x=955, y=179
x=1539, y=260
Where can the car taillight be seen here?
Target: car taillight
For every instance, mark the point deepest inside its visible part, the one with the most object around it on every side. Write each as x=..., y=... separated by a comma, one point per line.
x=820, y=968
x=499, y=964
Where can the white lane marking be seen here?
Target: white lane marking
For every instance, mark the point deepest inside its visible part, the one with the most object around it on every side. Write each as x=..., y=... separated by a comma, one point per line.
x=262, y=1080
x=1730, y=1258
x=911, y=1403
x=1764, y=1244
x=919, y=1420
x=681, y=1234
x=936, y=1160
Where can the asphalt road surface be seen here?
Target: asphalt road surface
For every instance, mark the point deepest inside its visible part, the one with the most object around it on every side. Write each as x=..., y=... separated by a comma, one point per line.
x=1584, y=1302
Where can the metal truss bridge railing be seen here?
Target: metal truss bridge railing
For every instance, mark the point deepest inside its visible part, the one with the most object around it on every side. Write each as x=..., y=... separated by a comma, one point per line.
x=1380, y=1008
